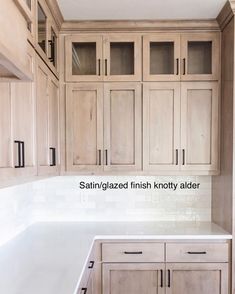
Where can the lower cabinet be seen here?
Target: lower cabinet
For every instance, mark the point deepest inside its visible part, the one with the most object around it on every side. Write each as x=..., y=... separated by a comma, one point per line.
x=197, y=278
x=133, y=278
x=139, y=268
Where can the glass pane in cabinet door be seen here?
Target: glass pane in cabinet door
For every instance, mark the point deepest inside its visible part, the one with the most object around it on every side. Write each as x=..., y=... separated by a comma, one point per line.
x=200, y=57
x=161, y=58
x=42, y=28
x=84, y=58
x=122, y=58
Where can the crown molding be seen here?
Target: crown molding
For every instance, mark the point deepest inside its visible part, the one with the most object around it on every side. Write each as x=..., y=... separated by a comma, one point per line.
x=138, y=25
x=225, y=15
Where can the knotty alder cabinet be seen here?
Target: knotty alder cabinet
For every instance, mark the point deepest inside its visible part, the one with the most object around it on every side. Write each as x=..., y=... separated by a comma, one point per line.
x=47, y=120
x=108, y=57
x=181, y=126
x=165, y=268
x=175, y=57
x=103, y=127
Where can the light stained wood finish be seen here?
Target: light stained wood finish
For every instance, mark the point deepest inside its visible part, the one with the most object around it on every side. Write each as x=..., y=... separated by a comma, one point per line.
x=47, y=119
x=161, y=60
x=199, y=60
x=140, y=25
x=133, y=252
x=194, y=252
x=6, y=146
x=122, y=126
x=84, y=127
x=83, y=39
x=161, y=126
x=124, y=62
x=50, y=23
x=132, y=278
x=194, y=278
x=200, y=126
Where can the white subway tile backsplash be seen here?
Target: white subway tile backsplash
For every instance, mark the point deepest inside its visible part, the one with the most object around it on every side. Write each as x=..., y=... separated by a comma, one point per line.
x=60, y=199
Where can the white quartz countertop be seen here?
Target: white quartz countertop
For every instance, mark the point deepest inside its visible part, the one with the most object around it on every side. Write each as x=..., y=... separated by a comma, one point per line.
x=48, y=258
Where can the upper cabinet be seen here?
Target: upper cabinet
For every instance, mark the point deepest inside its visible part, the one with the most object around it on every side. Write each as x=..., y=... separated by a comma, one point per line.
x=46, y=36
x=186, y=57
x=110, y=57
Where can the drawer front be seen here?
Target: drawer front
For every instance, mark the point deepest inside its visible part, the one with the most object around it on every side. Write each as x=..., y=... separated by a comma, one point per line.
x=133, y=252
x=197, y=252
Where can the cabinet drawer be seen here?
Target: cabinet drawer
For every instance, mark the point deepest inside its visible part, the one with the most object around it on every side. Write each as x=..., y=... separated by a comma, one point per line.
x=197, y=252
x=133, y=252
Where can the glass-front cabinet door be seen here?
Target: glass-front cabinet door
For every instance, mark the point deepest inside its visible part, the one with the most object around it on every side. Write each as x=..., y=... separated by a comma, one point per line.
x=41, y=28
x=200, y=56
x=122, y=57
x=161, y=57
x=84, y=58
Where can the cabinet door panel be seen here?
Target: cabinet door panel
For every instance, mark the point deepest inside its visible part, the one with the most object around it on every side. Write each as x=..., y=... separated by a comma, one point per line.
x=122, y=131
x=122, y=57
x=42, y=117
x=53, y=130
x=161, y=126
x=24, y=119
x=200, y=125
x=83, y=54
x=84, y=126
x=6, y=158
x=161, y=57
x=208, y=278
x=200, y=56
x=133, y=278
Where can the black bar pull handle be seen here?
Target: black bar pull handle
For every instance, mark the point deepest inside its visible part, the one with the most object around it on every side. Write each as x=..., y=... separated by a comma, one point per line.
x=99, y=157
x=84, y=290
x=183, y=159
x=23, y=154
x=19, y=153
x=196, y=252
x=99, y=73
x=177, y=66
x=169, y=278
x=184, y=66
x=133, y=252
x=53, y=156
x=176, y=157
x=106, y=156
x=161, y=278
x=106, y=66
x=52, y=44
x=92, y=263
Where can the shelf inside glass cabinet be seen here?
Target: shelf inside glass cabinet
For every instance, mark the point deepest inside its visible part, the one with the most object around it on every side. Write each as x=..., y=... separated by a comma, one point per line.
x=84, y=58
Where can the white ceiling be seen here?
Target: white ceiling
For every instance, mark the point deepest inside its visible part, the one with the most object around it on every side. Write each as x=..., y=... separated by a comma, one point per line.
x=139, y=9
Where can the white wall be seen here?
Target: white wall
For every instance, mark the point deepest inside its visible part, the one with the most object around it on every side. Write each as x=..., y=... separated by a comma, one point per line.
x=59, y=199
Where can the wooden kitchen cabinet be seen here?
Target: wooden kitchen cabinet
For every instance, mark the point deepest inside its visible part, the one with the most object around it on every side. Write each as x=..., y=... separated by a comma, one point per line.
x=122, y=126
x=161, y=57
x=47, y=120
x=194, y=278
x=109, y=57
x=185, y=57
x=128, y=278
x=46, y=36
x=181, y=127
x=200, y=126
x=161, y=126
x=84, y=127
x=103, y=127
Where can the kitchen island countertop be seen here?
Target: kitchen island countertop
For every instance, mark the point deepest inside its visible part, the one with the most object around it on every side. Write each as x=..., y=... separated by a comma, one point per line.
x=49, y=258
